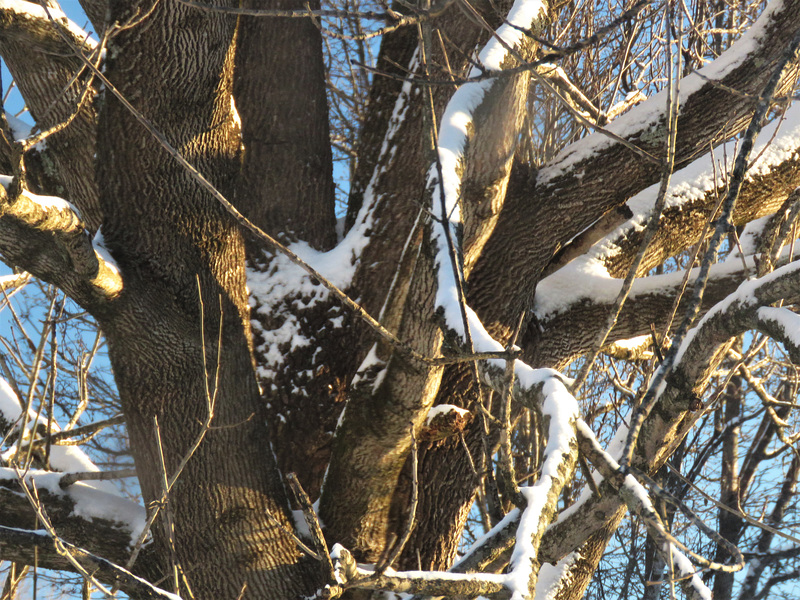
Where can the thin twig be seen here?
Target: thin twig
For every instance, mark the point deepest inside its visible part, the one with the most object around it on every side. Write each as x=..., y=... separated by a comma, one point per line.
x=721, y=228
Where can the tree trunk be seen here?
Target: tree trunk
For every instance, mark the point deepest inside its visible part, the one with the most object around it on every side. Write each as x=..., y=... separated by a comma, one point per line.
x=179, y=333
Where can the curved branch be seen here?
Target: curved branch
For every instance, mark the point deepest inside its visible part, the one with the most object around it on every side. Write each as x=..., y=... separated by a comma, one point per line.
x=56, y=90
x=598, y=517
x=45, y=236
x=540, y=218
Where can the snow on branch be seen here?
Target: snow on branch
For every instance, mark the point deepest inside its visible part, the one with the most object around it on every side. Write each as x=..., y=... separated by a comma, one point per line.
x=649, y=113
x=46, y=236
x=777, y=145
x=96, y=500
x=33, y=16
x=458, y=126
x=542, y=390
x=742, y=310
x=783, y=325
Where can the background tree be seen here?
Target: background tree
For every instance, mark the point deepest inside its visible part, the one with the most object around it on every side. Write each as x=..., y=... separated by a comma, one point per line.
x=517, y=210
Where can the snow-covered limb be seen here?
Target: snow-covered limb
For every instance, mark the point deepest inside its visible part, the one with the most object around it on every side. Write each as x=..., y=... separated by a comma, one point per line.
x=427, y=583
x=545, y=392
x=14, y=541
x=90, y=502
x=674, y=389
x=650, y=303
x=782, y=325
x=76, y=508
x=691, y=196
x=649, y=114
x=772, y=176
x=606, y=171
x=478, y=133
x=667, y=426
x=738, y=312
x=34, y=14
x=39, y=52
x=560, y=412
x=46, y=236
x=638, y=500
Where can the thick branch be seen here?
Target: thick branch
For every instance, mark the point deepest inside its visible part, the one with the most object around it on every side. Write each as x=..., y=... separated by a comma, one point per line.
x=538, y=220
x=20, y=545
x=56, y=90
x=569, y=317
x=695, y=192
x=46, y=237
x=665, y=427
x=82, y=515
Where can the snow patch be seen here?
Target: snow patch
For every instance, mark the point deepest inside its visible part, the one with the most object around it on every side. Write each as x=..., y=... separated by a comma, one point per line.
x=34, y=11
x=443, y=409
x=785, y=318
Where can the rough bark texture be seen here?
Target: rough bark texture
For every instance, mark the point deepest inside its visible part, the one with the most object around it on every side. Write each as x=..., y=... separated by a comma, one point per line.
x=543, y=211
x=177, y=318
x=178, y=334
x=286, y=183
x=44, y=66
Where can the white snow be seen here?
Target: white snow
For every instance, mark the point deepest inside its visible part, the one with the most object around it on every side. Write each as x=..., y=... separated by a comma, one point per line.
x=559, y=291
x=652, y=110
x=454, y=134
x=551, y=577
x=685, y=569
x=512, y=516
x=442, y=409
x=90, y=501
x=100, y=248
x=633, y=343
x=19, y=128
x=562, y=408
x=586, y=278
x=46, y=202
x=789, y=321
x=612, y=453
x=370, y=363
x=34, y=11
x=93, y=499
x=745, y=294
x=751, y=235
x=284, y=279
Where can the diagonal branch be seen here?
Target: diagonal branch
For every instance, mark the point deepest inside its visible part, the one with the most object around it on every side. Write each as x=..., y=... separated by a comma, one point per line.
x=533, y=227
x=57, y=90
x=46, y=237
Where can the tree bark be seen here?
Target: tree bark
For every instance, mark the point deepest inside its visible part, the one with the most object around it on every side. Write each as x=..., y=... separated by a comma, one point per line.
x=182, y=260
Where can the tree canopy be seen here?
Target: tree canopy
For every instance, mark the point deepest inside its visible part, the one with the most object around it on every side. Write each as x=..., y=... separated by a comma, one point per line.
x=447, y=299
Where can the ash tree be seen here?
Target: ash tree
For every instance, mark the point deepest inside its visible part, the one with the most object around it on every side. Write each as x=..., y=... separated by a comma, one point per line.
x=558, y=289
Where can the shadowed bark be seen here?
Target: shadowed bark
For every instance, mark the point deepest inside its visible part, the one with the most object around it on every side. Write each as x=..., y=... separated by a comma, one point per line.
x=243, y=99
